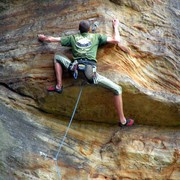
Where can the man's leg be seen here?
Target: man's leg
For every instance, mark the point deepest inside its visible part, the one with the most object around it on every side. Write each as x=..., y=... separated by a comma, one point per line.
x=60, y=62
x=58, y=70
x=117, y=90
x=119, y=107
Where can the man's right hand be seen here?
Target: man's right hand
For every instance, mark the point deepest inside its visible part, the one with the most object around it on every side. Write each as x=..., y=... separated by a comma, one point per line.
x=41, y=37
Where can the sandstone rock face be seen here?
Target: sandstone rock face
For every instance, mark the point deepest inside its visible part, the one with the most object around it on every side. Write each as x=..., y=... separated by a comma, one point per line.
x=146, y=64
x=29, y=142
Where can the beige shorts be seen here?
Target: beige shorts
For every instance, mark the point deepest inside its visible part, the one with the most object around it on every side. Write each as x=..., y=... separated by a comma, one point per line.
x=98, y=79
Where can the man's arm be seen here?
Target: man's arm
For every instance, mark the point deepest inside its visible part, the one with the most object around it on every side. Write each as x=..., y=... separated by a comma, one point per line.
x=116, y=37
x=42, y=37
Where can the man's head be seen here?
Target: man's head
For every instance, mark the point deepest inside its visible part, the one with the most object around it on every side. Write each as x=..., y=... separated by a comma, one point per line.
x=84, y=26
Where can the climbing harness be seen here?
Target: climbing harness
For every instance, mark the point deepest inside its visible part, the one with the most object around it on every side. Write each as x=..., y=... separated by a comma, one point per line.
x=65, y=135
x=88, y=67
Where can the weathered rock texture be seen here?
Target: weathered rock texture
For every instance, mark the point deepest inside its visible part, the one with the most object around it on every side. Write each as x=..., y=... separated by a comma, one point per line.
x=33, y=121
x=149, y=75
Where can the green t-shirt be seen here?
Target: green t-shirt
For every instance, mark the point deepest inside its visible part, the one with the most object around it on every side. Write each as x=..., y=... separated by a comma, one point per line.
x=84, y=45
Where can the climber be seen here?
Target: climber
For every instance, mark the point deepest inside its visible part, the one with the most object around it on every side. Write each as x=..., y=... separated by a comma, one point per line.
x=84, y=49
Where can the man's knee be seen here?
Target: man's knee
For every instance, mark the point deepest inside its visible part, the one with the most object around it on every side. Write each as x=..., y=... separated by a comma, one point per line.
x=118, y=90
x=64, y=61
x=56, y=58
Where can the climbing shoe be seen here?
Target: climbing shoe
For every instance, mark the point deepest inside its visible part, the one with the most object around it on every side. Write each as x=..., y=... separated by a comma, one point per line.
x=129, y=122
x=55, y=89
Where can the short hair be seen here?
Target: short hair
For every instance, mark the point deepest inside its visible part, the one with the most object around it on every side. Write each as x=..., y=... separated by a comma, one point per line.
x=84, y=26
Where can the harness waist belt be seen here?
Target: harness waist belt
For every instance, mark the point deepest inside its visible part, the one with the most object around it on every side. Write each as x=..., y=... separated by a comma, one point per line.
x=86, y=61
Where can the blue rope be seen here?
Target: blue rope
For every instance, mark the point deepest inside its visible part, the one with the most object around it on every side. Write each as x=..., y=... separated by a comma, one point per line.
x=62, y=142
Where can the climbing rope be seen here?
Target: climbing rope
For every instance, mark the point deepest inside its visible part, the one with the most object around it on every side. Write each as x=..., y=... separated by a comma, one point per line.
x=62, y=142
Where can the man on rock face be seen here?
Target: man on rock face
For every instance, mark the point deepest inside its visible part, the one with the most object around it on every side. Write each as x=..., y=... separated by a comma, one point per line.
x=84, y=49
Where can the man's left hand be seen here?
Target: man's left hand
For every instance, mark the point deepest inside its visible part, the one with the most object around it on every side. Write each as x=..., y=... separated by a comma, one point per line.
x=115, y=23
